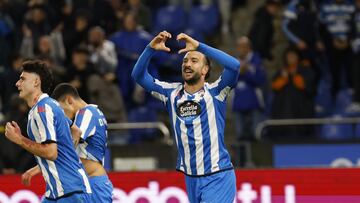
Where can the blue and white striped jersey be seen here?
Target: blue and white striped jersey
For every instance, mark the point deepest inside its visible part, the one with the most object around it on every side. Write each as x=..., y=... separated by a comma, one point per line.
x=198, y=119
x=47, y=123
x=93, y=126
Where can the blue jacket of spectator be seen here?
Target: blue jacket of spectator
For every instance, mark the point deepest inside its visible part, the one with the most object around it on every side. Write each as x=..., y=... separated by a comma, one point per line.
x=248, y=93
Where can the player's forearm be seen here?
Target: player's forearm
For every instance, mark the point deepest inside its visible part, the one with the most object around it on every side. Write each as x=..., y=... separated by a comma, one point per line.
x=140, y=73
x=46, y=151
x=35, y=170
x=221, y=57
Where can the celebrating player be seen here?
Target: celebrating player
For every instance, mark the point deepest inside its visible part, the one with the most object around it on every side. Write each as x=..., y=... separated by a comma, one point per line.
x=197, y=112
x=51, y=141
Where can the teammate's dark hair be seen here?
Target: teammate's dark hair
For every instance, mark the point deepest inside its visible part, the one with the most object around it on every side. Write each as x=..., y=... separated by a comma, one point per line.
x=63, y=89
x=42, y=70
x=208, y=63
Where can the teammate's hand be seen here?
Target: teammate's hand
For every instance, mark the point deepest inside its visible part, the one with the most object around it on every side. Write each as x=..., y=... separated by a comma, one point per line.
x=26, y=177
x=191, y=44
x=158, y=43
x=13, y=132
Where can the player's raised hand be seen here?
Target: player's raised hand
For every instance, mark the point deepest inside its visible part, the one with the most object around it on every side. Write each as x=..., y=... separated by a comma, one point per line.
x=191, y=44
x=158, y=43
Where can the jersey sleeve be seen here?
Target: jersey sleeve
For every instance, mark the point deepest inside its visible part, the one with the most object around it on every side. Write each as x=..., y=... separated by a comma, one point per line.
x=229, y=76
x=86, y=121
x=141, y=75
x=45, y=121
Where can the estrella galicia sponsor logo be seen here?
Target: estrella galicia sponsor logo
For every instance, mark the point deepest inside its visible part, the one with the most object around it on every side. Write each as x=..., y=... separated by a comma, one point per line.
x=188, y=109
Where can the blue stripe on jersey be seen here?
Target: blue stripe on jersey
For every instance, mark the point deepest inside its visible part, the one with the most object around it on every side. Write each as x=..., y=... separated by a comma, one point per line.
x=206, y=143
x=192, y=147
x=180, y=144
x=54, y=190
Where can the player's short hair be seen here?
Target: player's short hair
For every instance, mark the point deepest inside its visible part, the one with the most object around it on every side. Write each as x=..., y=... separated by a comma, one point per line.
x=208, y=63
x=42, y=70
x=63, y=89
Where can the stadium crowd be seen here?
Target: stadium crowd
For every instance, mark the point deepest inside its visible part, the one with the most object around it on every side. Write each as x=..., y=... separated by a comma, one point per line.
x=95, y=44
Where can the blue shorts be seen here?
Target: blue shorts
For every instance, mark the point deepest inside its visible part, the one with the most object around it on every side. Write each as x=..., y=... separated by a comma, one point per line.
x=216, y=188
x=74, y=198
x=102, y=189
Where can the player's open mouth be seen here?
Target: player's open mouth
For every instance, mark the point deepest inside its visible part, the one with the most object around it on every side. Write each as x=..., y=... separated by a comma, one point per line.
x=188, y=70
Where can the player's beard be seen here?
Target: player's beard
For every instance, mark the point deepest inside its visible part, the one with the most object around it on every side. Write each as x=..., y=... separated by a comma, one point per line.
x=194, y=79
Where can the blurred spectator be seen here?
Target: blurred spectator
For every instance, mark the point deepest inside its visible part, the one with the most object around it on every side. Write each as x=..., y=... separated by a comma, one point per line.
x=8, y=77
x=262, y=29
x=355, y=35
x=51, y=45
x=108, y=97
x=102, y=54
x=14, y=159
x=248, y=102
x=76, y=33
x=7, y=27
x=36, y=23
x=79, y=71
x=142, y=12
x=293, y=95
x=301, y=27
x=100, y=12
x=335, y=19
x=129, y=44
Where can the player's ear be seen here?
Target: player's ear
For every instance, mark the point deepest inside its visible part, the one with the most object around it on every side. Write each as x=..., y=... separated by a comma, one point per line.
x=37, y=82
x=69, y=99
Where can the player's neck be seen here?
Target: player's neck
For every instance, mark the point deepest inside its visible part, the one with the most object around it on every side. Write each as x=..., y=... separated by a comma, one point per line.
x=33, y=98
x=80, y=104
x=193, y=88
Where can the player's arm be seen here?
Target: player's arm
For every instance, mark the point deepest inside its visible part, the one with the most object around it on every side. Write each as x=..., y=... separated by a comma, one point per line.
x=140, y=72
x=27, y=176
x=231, y=65
x=44, y=150
x=85, y=123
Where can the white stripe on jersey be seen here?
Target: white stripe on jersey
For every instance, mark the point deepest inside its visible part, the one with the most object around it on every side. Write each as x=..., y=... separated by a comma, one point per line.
x=86, y=180
x=166, y=85
x=50, y=122
x=159, y=96
x=45, y=174
x=41, y=135
x=55, y=174
x=173, y=113
x=224, y=92
x=213, y=130
x=199, y=145
x=85, y=123
x=185, y=142
x=214, y=84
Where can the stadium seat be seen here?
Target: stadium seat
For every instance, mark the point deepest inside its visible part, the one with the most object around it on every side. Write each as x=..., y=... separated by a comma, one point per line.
x=337, y=132
x=343, y=100
x=323, y=100
x=171, y=19
x=204, y=18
